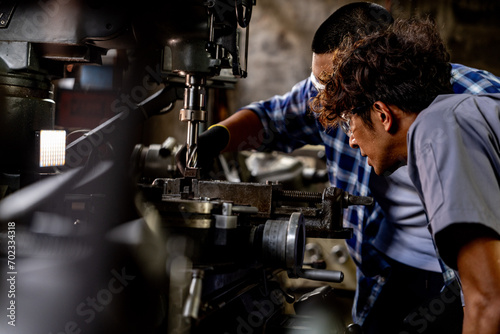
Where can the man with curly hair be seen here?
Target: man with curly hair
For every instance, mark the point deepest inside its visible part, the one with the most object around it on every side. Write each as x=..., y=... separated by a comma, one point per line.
x=391, y=94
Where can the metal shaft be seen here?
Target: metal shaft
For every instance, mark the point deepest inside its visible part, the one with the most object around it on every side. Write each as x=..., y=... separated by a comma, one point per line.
x=193, y=112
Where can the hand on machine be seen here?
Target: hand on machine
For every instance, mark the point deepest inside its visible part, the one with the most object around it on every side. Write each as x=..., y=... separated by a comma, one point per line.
x=209, y=145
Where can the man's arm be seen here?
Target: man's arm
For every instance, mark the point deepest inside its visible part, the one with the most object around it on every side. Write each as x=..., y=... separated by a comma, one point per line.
x=479, y=269
x=445, y=157
x=246, y=131
x=281, y=123
x=238, y=132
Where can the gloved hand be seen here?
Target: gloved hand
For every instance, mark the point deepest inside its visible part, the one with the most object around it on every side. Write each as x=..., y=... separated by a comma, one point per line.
x=210, y=144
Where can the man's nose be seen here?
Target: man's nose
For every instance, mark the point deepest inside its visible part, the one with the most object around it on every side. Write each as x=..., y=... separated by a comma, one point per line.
x=352, y=142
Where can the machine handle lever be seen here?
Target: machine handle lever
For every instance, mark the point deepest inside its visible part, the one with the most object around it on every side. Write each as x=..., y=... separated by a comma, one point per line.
x=193, y=300
x=333, y=276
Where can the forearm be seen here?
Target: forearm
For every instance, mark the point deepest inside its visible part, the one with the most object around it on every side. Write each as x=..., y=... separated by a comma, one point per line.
x=479, y=269
x=246, y=131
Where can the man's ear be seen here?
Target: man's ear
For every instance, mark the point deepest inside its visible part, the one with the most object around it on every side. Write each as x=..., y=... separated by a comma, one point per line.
x=383, y=114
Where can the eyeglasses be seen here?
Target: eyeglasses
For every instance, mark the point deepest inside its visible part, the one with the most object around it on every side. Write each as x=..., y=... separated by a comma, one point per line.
x=345, y=123
x=345, y=119
x=316, y=83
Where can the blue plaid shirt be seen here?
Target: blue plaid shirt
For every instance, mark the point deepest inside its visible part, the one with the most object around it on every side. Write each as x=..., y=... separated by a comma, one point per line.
x=289, y=124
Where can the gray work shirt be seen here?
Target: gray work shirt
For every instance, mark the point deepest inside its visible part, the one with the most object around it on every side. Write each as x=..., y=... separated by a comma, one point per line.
x=454, y=162
x=403, y=234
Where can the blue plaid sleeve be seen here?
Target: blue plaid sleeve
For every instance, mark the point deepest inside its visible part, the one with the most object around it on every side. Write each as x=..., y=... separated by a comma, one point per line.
x=469, y=80
x=287, y=120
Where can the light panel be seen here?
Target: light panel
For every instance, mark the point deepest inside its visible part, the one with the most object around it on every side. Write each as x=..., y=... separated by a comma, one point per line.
x=52, y=148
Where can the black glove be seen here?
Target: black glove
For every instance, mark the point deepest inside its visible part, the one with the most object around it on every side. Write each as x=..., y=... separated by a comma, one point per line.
x=210, y=144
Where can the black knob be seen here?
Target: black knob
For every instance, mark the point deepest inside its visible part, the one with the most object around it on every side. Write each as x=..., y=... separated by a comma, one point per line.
x=359, y=200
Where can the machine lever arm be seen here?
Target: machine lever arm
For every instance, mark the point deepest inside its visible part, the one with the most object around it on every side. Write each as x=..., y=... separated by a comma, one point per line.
x=333, y=276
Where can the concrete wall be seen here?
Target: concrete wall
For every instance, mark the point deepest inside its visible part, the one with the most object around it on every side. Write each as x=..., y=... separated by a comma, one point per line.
x=470, y=28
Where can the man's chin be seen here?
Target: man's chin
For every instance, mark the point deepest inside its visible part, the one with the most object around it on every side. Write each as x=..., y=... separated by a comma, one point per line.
x=378, y=170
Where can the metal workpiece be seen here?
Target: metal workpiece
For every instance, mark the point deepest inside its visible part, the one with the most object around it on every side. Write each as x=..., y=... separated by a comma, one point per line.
x=255, y=195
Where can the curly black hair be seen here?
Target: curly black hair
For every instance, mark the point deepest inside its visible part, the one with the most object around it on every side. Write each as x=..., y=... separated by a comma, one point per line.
x=406, y=65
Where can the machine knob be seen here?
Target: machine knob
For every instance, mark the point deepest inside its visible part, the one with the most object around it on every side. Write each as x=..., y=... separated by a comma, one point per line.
x=313, y=252
x=359, y=200
x=340, y=254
